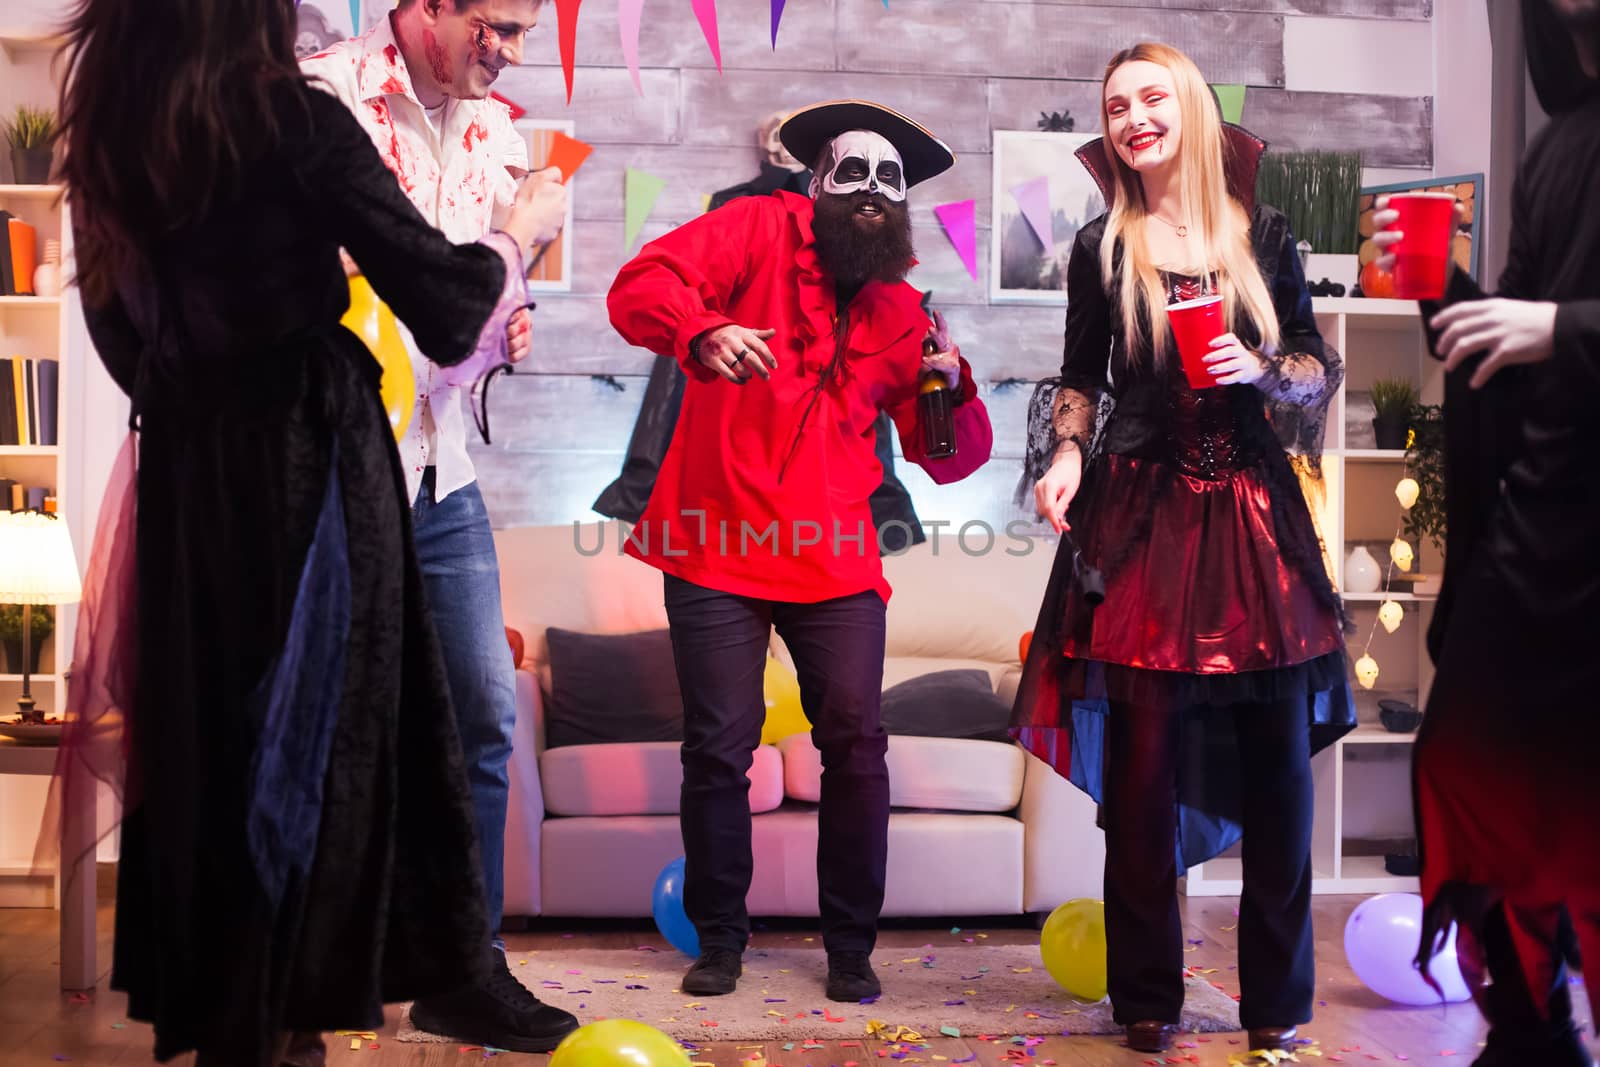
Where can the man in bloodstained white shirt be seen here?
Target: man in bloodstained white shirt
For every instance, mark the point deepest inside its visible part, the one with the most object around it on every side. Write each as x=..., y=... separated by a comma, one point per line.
x=419, y=82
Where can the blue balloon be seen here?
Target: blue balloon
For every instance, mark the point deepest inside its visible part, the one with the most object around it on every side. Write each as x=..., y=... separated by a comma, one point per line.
x=667, y=907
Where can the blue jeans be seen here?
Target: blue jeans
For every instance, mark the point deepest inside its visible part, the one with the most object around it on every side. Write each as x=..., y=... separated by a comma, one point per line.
x=456, y=550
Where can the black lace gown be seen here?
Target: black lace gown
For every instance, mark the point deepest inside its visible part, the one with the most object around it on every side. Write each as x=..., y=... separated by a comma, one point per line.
x=248, y=395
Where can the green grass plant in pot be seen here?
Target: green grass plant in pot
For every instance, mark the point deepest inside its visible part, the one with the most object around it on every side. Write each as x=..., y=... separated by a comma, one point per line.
x=1393, y=401
x=31, y=132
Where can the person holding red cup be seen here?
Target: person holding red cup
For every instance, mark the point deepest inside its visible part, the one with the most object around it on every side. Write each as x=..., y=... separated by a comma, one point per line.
x=1220, y=628
x=1506, y=794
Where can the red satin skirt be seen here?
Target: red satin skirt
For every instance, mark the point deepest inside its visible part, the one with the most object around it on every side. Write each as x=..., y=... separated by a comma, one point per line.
x=1198, y=588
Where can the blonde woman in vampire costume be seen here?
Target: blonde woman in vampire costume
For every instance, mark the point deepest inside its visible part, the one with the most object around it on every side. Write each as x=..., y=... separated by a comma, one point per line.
x=1219, y=642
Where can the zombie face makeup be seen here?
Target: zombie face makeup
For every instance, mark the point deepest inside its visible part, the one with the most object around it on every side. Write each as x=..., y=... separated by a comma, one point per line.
x=860, y=162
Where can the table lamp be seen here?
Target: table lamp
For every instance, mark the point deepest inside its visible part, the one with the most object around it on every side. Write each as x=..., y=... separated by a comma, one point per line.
x=36, y=567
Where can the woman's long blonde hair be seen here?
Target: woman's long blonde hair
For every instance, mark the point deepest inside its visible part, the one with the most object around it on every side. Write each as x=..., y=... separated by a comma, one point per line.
x=1217, y=218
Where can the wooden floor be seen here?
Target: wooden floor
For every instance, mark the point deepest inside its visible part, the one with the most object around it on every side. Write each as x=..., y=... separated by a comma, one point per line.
x=40, y=1025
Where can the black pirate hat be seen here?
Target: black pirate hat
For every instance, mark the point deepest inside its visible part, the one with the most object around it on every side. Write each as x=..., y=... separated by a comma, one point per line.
x=807, y=132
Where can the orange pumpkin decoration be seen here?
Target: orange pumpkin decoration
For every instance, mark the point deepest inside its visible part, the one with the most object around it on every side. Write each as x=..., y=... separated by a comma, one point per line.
x=1376, y=282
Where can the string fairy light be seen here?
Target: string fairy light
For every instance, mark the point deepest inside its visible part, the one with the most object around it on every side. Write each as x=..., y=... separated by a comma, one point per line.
x=1390, y=613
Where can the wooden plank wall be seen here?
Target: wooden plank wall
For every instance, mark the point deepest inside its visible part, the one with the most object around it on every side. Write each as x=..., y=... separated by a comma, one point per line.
x=967, y=68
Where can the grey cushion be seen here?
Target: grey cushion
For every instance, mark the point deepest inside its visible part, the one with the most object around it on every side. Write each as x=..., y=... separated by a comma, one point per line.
x=947, y=704
x=612, y=688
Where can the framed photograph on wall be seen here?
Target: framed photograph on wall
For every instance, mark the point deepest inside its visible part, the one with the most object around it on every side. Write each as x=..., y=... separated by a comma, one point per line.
x=1466, y=248
x=552, y=270
x=1056, y=194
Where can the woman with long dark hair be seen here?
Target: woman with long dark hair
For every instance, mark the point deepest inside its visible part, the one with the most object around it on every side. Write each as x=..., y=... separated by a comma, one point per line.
x=1219, y=627
x=298, y=842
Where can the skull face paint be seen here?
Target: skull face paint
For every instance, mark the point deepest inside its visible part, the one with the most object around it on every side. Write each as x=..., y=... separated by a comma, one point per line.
x=859, y=161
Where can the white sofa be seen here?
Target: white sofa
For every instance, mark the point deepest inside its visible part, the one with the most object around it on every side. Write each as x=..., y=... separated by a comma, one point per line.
x=978, y=827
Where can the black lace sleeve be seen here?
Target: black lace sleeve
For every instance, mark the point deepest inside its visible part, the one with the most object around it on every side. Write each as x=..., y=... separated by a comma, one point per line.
x=1063, y=412
x=1305, y=372
x=1297, y=372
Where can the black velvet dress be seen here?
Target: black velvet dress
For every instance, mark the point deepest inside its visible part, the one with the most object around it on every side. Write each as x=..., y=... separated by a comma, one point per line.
x=251, y=401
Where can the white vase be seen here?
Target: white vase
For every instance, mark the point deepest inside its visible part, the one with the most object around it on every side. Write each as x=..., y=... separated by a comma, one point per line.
x=47, y=277
x=1361, y=572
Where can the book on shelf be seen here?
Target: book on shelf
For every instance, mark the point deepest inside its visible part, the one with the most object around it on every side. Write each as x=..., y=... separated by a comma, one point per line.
x=9, y=433
x=24, y=244
x=49, y=372
x=19, y=399
x=8, y=271
x=30, y=397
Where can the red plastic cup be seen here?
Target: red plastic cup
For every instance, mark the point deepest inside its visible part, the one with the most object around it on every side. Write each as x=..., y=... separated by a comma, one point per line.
x=1195, y=324
x=1422, y=256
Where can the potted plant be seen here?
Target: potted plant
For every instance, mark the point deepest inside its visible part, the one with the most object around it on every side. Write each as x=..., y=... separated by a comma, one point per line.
x=1393, y=402
x=32, y=133
x=1425, y=460
x=1320, y=192
x=44, y=625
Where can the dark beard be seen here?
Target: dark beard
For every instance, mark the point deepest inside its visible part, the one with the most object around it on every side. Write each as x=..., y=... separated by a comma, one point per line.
x=855, y=251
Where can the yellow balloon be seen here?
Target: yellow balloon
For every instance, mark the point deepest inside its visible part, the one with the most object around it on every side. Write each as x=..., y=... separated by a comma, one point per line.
x=372, y=321
x=784, y=715
x=1073, y=944
x=618, y=1043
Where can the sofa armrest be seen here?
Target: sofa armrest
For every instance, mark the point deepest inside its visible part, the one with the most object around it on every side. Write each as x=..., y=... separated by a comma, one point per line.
x=525, y=805
x=1063, y=851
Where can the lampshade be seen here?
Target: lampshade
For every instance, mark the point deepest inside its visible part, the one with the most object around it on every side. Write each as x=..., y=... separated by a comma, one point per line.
x=36, y=561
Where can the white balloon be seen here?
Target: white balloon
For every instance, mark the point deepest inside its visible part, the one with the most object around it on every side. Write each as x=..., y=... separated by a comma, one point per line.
x=1380, y=942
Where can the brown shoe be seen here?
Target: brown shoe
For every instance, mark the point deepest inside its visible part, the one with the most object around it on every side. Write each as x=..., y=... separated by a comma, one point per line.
x=1279, y=1038
x=1151, y=1036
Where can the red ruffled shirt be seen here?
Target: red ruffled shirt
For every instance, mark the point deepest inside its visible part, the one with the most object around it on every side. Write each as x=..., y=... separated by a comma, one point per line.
x=726, y=512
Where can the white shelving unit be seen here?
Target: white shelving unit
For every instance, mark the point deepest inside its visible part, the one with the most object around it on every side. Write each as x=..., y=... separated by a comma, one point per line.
x=1363, y=783
x=36, y=328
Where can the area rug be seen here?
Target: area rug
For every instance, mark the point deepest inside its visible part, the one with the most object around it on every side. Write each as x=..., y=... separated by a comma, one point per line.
x=958, y=991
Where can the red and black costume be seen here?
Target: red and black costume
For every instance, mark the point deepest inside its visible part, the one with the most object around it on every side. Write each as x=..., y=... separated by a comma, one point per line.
x=1220, y=638
x=1507, y=794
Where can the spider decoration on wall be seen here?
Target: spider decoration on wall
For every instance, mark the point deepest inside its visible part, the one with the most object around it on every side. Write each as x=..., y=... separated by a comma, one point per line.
x=1057, y=121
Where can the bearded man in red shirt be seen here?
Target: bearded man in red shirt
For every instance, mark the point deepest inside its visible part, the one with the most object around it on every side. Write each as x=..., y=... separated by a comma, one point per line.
x=795, y=326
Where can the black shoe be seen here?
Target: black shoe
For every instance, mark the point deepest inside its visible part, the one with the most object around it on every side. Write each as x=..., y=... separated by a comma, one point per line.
x=1548, y=1047
x=850, y=977
x=714, y=974
x=498, y=1012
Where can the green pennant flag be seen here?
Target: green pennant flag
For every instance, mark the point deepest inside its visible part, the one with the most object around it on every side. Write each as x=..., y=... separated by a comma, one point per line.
x=641, y=192
x=1231, y=97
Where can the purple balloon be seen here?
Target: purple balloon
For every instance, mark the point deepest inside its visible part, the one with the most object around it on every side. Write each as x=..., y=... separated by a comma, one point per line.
x=1380, y=941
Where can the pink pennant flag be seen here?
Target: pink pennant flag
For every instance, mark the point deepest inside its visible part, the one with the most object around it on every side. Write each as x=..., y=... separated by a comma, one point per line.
x=628, y=17
x=961, y=226
x=1034, y=200
x=777, y=17
x=706, y=12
